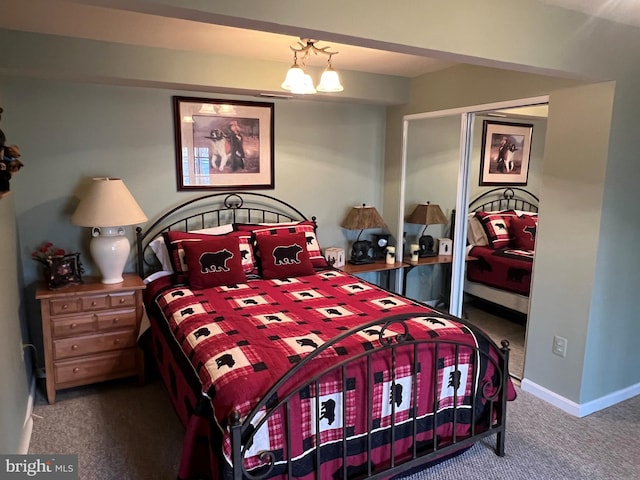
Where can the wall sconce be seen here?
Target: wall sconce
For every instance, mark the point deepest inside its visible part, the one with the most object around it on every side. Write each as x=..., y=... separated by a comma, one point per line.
x=107, y=207
x=299, y=82
x=360, y=218
x=427, y=214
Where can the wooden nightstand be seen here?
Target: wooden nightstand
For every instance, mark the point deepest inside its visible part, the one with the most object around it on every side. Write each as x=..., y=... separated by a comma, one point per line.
x=90, y=332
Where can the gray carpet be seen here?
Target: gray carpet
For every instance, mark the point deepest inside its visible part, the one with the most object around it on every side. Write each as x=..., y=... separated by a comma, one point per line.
x=123, y=431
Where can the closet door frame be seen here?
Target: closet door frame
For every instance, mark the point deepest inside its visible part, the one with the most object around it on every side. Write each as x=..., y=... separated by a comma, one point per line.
x=467, y=117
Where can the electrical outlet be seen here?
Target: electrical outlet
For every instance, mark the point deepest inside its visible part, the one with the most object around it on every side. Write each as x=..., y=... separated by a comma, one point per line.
x=560, y=346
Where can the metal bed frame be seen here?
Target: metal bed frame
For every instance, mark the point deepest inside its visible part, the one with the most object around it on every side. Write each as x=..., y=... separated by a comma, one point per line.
x=236, y=207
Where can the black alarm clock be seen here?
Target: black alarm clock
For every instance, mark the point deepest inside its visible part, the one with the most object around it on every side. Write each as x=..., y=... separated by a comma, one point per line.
x=380, y=243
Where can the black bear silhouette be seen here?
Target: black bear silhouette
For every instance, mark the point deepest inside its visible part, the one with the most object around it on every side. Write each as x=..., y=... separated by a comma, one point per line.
x=215, y=262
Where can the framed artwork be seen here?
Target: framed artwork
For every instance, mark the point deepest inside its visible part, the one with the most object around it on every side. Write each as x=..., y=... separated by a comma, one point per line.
x=223, y=144
x=63, y=270
x=506, y=148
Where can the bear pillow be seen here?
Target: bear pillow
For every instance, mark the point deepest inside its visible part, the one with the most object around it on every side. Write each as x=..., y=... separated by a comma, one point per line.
x=283, y=256
x=214, y=262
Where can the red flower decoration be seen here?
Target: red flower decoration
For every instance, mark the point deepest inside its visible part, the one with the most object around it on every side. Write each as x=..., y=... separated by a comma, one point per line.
x=47, y=250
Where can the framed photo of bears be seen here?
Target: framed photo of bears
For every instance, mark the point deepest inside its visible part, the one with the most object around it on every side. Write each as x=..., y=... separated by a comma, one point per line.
x=506, y=149
x=223, y=144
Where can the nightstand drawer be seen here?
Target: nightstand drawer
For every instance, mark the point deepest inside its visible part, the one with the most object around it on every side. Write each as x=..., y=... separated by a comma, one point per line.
x=76, y=346
x=120, y=300
x=65, y=305
x=95, y=302
x=116, y=319
x=64, y=327
x=103, y=366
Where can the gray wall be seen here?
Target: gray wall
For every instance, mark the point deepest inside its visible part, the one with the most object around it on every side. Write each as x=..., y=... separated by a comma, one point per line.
x=324, y=165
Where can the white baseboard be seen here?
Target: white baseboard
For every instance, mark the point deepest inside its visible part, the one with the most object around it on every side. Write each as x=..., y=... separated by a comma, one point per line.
x=27, y=428
x=580, y=409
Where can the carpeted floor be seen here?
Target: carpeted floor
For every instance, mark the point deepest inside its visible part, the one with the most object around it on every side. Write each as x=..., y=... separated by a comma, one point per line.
x=501, y=326
x=123, y=431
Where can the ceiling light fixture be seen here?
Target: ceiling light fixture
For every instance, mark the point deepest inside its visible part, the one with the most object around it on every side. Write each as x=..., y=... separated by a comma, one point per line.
x=300, y=82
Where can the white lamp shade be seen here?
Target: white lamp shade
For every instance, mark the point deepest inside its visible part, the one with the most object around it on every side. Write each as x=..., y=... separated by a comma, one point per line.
x=306, y=87
x=107, y=207
x=330, y=81
x=294, y=78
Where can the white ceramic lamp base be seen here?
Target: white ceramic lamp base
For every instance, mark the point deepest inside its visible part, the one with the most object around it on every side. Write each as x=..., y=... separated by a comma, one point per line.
x=110, y=250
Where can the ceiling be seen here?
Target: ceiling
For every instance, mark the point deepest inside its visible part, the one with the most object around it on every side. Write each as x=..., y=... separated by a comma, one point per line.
x=59, y=17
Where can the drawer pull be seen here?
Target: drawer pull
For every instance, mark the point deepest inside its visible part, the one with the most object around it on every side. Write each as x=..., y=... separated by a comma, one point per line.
x=93, y=303
x=76, y=370
x=65, y=306
x=73, y=325
x=116, y=341
x=74, y=347
x=116, y=320
x=122, y=300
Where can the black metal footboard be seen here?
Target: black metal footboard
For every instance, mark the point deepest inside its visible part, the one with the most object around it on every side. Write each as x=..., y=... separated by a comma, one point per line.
x=457, y=394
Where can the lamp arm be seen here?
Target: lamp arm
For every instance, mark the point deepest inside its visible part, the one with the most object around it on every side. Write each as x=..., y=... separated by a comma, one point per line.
x=358, y=238
x=424, y=229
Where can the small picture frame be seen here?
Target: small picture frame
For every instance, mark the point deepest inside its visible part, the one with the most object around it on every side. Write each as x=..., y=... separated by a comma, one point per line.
x=63, y=270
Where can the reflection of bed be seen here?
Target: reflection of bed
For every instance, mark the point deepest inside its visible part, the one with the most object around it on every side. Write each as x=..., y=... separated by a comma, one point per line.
x=501, y=233
x=262, y=371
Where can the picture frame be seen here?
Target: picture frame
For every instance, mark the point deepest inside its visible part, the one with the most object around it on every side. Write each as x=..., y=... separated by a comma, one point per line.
x=63, y=270
x=505, y=154
x=223, y=144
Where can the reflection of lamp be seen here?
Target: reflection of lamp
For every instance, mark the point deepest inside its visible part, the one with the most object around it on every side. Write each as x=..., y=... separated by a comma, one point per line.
x=298, y=81
x=359, y=218
x=427, y=214
x=107, y=207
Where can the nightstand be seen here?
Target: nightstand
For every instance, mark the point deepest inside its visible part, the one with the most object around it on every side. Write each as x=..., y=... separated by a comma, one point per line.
x=90, y=332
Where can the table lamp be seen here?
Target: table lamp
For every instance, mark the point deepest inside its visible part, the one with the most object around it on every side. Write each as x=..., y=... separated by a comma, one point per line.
x=427, y=214
x=107, y=208
x=361, y=218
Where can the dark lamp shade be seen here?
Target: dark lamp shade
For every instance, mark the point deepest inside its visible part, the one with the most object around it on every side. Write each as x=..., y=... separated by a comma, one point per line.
x=363, y=217
x=427, y=214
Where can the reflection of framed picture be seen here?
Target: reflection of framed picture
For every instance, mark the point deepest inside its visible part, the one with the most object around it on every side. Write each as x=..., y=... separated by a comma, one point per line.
x=223, y=144
x=63, y=270
x=506, y=148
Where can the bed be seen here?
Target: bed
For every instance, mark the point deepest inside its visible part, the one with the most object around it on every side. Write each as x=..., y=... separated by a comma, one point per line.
x=502, y=224
x=291, y=368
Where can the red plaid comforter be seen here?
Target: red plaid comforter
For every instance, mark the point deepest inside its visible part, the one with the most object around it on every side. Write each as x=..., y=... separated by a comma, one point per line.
x=241, y=339
x=505, y=268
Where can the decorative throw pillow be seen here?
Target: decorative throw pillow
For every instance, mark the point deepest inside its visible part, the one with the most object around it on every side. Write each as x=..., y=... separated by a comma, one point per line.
x=213, y=262
x=307, y=227
x=175, y=241
x=523, y=230
x=159, y=246
x=475, y=232
x=283, y=256
x=496, y=226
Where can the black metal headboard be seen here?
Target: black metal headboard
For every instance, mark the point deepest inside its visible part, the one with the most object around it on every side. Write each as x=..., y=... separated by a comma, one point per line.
x=496, y=199
x=509, y=198
x=211, y=211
